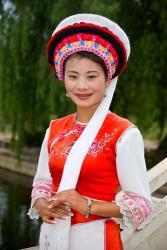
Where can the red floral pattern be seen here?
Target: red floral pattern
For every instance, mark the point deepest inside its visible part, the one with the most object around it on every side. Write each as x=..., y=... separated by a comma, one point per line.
x=95, y=148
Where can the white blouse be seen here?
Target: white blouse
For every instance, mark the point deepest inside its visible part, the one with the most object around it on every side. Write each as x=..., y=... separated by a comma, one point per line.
x=135, y=201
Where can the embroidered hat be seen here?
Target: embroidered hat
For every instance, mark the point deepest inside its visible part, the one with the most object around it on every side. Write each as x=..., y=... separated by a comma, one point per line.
x=92, y=33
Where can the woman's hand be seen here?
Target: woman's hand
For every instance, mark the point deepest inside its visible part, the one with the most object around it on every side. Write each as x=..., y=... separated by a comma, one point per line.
x=51, y=215
x=72, y=197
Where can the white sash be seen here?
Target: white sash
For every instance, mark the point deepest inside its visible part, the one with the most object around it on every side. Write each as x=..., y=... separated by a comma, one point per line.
x=56, y=236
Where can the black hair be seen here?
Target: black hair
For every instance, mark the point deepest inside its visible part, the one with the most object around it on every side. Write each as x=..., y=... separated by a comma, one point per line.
x=89, y=55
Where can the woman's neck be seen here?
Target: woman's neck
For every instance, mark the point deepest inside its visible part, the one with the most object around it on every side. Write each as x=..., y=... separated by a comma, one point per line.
x=83, y=115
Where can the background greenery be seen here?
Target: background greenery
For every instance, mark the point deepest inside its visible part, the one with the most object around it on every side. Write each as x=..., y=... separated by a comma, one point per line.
x=30, y=95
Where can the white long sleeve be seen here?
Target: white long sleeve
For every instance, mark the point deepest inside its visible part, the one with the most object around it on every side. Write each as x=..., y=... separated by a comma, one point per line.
x=135, y=203
x=43, y=173
x=42, y=186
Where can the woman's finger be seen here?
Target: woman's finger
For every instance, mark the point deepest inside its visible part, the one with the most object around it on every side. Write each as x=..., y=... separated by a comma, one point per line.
x=62, y=216
x=61, y=211
x=64, y=207
x=66, y=203
x=54, y=203
x=51, y=214
x=49, y=220
x=57, y=213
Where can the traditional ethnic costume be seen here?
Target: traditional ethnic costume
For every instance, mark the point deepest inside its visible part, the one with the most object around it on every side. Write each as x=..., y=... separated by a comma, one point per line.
x=95, y=158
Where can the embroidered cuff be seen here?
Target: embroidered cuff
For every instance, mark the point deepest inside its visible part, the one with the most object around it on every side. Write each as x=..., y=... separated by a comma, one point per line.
x=135, y=210
x=40, y=190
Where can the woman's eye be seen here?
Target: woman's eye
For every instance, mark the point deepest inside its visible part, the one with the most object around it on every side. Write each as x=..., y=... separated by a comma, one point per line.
x=72, y=76
x=93, y=76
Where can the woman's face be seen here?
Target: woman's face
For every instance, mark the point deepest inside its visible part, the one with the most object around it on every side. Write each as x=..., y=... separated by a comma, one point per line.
x=85, y=82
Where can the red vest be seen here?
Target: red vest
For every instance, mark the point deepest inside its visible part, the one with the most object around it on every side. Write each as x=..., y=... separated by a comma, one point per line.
x=98, y=177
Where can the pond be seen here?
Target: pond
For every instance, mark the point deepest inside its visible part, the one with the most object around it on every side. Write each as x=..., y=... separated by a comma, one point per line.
x=17, y=231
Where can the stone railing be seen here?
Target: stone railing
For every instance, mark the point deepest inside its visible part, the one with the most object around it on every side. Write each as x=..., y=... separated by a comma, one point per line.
x=154, y=234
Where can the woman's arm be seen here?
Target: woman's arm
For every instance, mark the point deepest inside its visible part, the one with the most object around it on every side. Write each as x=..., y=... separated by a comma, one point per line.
x=132, y=174
x=42, y=187
x=134, y=206
x=135, y=202
x=42, y=190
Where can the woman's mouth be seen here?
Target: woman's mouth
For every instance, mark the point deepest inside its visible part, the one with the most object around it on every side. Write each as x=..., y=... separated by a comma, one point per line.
x=83, y=96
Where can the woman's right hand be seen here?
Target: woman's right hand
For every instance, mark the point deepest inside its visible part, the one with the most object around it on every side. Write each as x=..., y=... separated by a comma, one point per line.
x=51, y=215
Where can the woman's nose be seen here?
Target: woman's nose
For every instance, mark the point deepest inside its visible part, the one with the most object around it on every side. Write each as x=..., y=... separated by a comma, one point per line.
x=81, y=84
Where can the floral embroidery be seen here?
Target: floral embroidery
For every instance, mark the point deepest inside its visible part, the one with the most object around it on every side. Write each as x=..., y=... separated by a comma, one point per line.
x=66, y=150
x=137, y=206
x=133, y=209
x=64, y=134
x=41, y=189
x=77, y=130
x=96, y=147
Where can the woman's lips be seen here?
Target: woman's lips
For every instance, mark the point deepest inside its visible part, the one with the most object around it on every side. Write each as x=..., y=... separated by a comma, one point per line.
x=83, y=96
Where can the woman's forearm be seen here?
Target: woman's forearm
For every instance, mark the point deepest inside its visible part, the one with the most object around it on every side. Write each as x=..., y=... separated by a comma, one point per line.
x=79, y=203
x=109, y=209
x=40, y=203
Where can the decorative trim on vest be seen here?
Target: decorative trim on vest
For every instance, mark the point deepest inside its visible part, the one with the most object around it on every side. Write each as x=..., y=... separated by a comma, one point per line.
x=118, y=124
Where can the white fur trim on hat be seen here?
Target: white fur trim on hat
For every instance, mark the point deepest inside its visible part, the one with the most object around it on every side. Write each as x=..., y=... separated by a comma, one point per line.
x=97, y=20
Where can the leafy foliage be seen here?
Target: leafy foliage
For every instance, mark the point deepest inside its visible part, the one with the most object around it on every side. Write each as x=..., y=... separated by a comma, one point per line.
x=30, y=95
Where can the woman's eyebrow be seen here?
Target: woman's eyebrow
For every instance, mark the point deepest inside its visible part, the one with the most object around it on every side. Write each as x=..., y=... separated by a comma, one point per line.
x=72, y=71
x=75, y=72
x=92, y=71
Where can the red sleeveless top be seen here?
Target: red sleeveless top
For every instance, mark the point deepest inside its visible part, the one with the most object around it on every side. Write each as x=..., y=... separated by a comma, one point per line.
x=98, y=177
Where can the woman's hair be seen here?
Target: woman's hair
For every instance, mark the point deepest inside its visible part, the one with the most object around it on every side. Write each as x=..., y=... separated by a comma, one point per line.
x=89, y=55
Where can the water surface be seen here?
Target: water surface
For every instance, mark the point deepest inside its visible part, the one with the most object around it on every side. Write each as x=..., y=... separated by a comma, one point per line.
x=17, y=231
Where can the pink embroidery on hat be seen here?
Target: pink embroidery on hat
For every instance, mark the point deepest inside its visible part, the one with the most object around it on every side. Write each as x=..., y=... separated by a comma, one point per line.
x=85, y=42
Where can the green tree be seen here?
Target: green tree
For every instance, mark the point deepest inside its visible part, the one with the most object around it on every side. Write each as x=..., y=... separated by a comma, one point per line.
x=30, y=95
x=143, y=86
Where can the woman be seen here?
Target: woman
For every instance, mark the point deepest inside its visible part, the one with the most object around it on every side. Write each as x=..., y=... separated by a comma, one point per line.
x=86, y=156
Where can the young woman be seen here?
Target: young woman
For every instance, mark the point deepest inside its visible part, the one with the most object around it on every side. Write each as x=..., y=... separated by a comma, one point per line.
x=86, y=156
